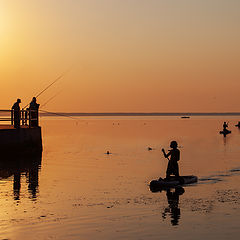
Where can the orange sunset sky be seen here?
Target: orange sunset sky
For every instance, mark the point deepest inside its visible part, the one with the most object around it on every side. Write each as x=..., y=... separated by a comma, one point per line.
x=121, y=55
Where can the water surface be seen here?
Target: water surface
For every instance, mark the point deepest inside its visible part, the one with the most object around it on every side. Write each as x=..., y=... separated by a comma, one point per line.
x=77, y=191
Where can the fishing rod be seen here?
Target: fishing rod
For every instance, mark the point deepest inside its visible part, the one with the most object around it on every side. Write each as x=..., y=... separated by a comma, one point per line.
x=57, y=79
x=42, y=105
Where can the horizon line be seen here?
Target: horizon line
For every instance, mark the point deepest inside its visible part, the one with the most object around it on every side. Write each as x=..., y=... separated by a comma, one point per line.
x=47, y=113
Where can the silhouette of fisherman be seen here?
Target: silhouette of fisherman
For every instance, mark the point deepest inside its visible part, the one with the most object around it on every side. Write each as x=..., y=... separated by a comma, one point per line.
x=34, y=106
x=16, y=113
x=174, y=155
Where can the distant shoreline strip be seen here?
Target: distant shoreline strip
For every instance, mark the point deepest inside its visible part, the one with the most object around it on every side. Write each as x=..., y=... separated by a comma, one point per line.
x=142, y=114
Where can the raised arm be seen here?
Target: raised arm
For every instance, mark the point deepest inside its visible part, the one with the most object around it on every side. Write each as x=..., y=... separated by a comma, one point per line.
x=164, y=153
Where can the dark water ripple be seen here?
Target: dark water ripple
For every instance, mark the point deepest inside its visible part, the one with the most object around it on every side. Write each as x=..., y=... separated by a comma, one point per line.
x=219, y=177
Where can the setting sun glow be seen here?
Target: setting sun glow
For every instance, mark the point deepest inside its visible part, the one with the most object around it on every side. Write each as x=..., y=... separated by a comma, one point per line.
x=122, y=56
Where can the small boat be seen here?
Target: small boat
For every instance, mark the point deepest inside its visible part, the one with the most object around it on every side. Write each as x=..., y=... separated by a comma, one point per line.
x=225, y=132
x=185, y=117
x=172, y=182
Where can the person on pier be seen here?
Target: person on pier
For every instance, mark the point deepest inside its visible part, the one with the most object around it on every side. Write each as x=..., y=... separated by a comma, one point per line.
x=34, y=106
x=16, y=113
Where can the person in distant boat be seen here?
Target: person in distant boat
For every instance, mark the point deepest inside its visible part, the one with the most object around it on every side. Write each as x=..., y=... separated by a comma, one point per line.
x=16, y=113
x=174, y=155
x=34, y=106
x=225, y=125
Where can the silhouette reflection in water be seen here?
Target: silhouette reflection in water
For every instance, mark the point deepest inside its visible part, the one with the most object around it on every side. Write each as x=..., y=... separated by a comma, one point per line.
x=173, y=200
x=224, y=140
x=28, y=167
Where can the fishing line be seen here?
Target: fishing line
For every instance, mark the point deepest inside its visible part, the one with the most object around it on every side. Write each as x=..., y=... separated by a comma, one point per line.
x=59, y=114
x=42, y=105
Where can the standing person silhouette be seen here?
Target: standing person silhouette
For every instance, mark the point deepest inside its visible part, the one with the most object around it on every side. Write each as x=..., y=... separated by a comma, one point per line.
x=225, y=125
x=16, y=113
x=174, y=155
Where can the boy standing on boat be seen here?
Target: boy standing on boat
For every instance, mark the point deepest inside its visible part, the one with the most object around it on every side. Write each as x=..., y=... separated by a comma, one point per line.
x=174, y=155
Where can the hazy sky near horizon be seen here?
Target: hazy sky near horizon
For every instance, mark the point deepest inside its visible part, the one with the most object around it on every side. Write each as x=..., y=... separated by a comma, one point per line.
x=121, y=55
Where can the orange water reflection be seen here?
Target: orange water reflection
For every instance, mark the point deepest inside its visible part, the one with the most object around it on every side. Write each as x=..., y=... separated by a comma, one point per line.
x=82, y=192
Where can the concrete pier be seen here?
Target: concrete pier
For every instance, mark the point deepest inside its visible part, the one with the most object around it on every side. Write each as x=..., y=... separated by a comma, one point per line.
x=22, y=137
x=20, y=142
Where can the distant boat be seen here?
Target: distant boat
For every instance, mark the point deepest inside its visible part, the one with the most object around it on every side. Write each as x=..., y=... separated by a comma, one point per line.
x=225, y=132
x=185, y=117
x=238, y=125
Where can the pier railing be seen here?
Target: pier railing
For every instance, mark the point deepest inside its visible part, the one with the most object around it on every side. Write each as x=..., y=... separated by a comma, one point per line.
x=27, y=117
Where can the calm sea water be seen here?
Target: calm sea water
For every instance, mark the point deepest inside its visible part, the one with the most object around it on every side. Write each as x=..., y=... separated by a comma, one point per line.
x=76, y=191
